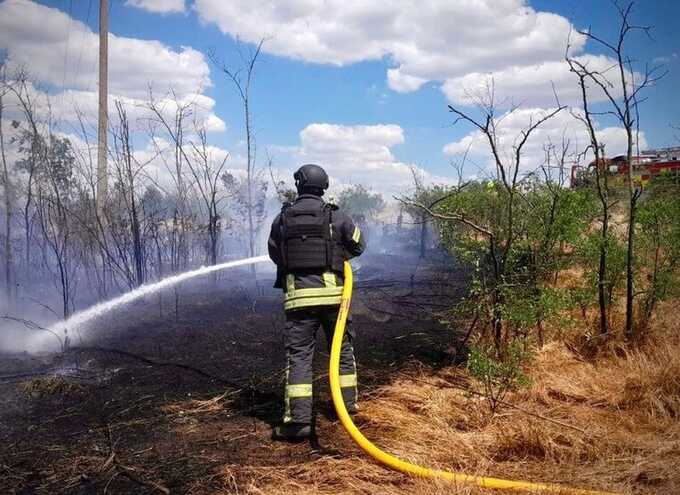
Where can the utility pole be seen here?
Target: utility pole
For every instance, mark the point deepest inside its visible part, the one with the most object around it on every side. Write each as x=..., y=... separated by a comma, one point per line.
x=102, y=185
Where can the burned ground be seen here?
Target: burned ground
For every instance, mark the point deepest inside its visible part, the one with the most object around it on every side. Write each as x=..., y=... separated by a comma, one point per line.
x=165, y=400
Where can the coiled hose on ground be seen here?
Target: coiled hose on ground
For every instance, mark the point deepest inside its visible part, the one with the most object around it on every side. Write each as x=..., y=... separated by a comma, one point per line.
x=396, y=463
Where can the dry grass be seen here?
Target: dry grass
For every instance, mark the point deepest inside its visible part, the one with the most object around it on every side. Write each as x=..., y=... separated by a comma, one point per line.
x=626, y=403
x=51, y=385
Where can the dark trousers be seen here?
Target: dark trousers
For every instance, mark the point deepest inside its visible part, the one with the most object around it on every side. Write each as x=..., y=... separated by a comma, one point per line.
x=299, y=340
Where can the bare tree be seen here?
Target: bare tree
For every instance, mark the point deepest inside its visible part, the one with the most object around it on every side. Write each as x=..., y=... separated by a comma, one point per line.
x=54, y=196
x=28, y=141
x=128, y=171
x=207, y=172
x=242, y=79
x=96, y=254
x=9, y=192
x=624, y=108
x=175, y=130
x=602, y=188
x=204, y=168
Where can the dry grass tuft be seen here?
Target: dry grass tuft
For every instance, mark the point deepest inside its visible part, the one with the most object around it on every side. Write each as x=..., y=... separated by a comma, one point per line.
x=609, y=423
x=213, y=405
x=52, y=385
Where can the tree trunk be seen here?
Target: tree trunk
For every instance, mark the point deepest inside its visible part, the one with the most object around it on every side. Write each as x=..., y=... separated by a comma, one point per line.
x=27, y=222
x=630, y=253
x=137, y=246
x=423, y=235
x=630, y=266
x=251, y=227
x=8, y=212
x=602, y=268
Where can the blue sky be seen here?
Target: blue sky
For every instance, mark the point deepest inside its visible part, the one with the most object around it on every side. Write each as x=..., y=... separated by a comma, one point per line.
x=294, y=88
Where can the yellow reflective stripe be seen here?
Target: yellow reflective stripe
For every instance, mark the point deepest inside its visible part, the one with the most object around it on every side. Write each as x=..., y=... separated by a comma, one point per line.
x=356, y=235
x=314, y=296
x=299, y=391
x=348, y=380
x=311, y=301
x=329, y=279
x=314, y=292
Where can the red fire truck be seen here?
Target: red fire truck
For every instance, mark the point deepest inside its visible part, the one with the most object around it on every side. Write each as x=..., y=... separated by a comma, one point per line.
x=647, y=165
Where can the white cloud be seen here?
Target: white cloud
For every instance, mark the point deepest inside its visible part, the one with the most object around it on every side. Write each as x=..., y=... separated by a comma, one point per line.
x=433, y=40
x=62, y=53
x=158, y=6
x=359, y=154
x=70, y=105
x=535, y=84
x=459, y=43
x=562, y=126
x=403, y=83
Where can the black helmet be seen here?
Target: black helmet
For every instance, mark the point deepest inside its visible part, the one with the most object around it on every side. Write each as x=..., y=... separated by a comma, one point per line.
x=311, y=179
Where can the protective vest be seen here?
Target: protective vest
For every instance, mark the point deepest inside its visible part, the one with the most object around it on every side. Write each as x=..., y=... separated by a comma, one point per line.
x=308, y=240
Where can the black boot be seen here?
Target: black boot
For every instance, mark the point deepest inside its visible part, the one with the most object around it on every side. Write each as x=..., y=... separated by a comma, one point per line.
x=292, y=432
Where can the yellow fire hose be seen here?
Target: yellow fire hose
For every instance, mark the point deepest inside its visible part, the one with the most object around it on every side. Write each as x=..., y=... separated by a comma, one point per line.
x=394, y=462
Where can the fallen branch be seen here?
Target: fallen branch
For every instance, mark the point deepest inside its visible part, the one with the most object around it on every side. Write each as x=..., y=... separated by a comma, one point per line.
x=31, y=325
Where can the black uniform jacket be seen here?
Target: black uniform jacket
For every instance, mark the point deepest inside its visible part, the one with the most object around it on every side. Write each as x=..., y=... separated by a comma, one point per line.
x=350, y=236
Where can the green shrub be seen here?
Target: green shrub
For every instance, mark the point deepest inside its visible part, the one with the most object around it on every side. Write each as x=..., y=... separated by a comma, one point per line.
x=498, y=375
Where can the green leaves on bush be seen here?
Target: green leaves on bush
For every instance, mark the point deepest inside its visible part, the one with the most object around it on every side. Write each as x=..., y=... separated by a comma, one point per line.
x=498, y=375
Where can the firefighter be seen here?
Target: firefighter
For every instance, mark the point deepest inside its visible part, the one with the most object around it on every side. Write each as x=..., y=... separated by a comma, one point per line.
x=309, y=242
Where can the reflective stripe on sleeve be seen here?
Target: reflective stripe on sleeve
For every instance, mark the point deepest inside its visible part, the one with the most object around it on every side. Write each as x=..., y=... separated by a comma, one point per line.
x=356, y=235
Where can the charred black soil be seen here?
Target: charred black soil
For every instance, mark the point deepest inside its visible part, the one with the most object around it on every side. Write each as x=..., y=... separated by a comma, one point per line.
x=165, y=398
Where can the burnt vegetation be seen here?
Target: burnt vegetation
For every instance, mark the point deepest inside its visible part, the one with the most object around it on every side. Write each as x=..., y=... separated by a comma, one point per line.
x=508, y=325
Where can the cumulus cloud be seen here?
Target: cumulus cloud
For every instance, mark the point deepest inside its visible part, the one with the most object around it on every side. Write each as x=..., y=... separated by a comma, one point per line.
x=62, y=53
x=563, y=127
x=158, y=6
x=403, y=83
x=71, y=105
x=359, y=154
x=461, y=44
x=418, y=35
x=536, y=84
x=434, y=40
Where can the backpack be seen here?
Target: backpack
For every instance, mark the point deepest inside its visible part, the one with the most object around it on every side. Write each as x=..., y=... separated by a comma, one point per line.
x=307, y=239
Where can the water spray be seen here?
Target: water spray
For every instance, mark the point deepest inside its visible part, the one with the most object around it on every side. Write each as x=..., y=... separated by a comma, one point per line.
x=82, y=317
